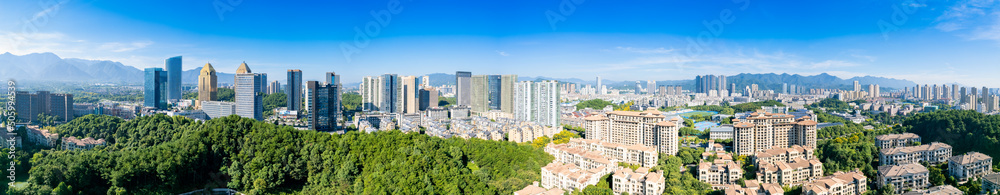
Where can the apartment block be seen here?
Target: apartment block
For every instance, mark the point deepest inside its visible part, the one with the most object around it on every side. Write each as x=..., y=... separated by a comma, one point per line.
x=753, y=187
x=792, y=172
x=933, y=153
x=970, y=165
x=775, y=155
x=72, y=143
x=896, y=140
x=991, y=184
x=903, y=177
x=719, y=173
x=569, y=177
x=840, y=183
x=937, y=190
x=648, y=128
x=639, y=182
x=762, y=130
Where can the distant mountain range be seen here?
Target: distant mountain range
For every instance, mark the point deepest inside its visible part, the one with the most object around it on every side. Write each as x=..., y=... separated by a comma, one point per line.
x=50, y=67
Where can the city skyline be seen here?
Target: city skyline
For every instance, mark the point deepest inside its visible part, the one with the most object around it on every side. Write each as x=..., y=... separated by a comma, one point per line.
x=926, y=42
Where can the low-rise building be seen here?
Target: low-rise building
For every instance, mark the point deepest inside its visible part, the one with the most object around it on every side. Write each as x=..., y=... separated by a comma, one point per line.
x=991, y=184
x=933, y=153
x=721, y=132
x=896, y=140
x=840, y=183
x=752, y=187
x=783, y=155
x=970, y=165
x=534, y=189
x=640, y=182
x=645, y=156
x=903, y=177
x=792, y=172
x=42, y=136
x=569, y=177
x=72, y=143
x=937, y=190
x=719, y=173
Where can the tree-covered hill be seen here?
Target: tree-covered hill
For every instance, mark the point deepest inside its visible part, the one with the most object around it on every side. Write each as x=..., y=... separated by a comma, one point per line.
x=169, y=155
x=964, y=130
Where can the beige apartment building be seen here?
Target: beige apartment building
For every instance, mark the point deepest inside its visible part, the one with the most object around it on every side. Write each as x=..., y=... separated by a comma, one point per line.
x=991, y=184
x=888, y=141
x=903, y=177
x=752, y=187
x=569, y=177
x=638, y=182
x=783, y=154
x=761, y=131
x=933, y=153
x=645, y=156
x=970, y=165
x=840, y=183
x=72, y=143
x=648, y=128
x=719, y=173
x=792, y=172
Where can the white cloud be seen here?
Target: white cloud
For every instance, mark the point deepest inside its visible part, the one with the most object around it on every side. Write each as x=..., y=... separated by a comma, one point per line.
x=972, y=19
x=646, y=50
x=833, y=64
x=502, y=53
x=125, y=47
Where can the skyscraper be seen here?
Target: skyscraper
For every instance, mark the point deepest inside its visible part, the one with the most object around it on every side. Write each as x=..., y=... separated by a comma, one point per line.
x=507, y=93
x=784, y=88
x=537, y=102
x=155, y=89
x=493, y=82
x=600, y=87
x=249, y=98
x=425, y=81
x=323, y=105
x=480, y=93
x=857, y=86
x=706, y=83
x=871, y=90
x=463, y=88
x=262, y=85
x=294, y=89
x=173, y=66
x=389, y=94
x=371, y=87
x=985, y=92
x=409, y=95
x=428, y=98
x=332, y=78
x=651, y=87
x=954, y=92
x=207, y=84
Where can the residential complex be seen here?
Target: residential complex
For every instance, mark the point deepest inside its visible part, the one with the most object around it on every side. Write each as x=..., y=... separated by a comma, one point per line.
x=585, y=152
x=72, y=143
x=840, y=183
x=776, y=155
x=933, y=153
x=719, y=173
x=30, y=105
x=795, y=171
x=762, y=130
x=991, y=184
x=638, y=182
x=648, y=128
x=753, y=187
x=888, y=141
x=570, y=177
x=537, y=102
x=970, y=165
x=937, y=190
x=903, y=177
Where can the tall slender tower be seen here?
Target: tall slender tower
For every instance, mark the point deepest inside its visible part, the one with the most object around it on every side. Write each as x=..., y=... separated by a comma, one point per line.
x=294, y=89
x=173, y=66
x=463, y=88
x=207, y=84
x=249, y=99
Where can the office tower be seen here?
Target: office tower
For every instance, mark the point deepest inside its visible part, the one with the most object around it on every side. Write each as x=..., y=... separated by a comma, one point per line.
x=794, y=90
x=332, y=78
x=600, y=87
x=954, y=92
x=173, y=67
x=761, y=131
x=985, y=92
x=493, y=82
x=651, y=87
x=480, y=93
x=463, y=88
x=371, y=91
x=784, y=88
x=389, y=92
x=208, y=85
x=294, y=90
x=30, y=105
x=274, y=87
x=155, y=90
x=323, y=105
x=507, y=93
x=263, y=83
x=537, y=102
x=857, y=86
x=425, y=81
x=648, y=128
x=408, y=94
x=428, y=98
x=249, y=99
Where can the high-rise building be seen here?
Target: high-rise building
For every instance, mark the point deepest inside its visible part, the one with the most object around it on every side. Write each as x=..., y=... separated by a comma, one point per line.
x=954, y=92
x=664, y=90
x=294, y=90
x=371, y=91
x=507, y=93
x=425, y=81
x=207, y=84
x=262, y=86
x=332, y=78
x=857, y=86
x=480, y=93
x=648, y=128
x=30, y=105
x=408, y=95
x=985, y=93
x=493, y=84
x=323, y=105
x=706, y=83
x=463, y=88
x=389, y=94
x=651, y=87
x=761, y=131
x=537, y=102
x=784, y=88
x=249, y=98
x=274, y=87
x=155, y=89
x=600, y=87
x=173, y=67
x=428, y=98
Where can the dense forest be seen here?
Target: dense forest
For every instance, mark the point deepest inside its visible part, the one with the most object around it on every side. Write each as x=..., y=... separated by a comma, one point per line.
x=964, y=130
x=169, y=155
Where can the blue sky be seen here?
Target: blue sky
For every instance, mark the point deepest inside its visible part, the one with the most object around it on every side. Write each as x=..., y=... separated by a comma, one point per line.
x=924, y=41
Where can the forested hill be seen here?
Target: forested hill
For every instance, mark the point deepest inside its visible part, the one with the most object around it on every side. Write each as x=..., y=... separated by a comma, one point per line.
x=964, y=130
x=169, y=155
